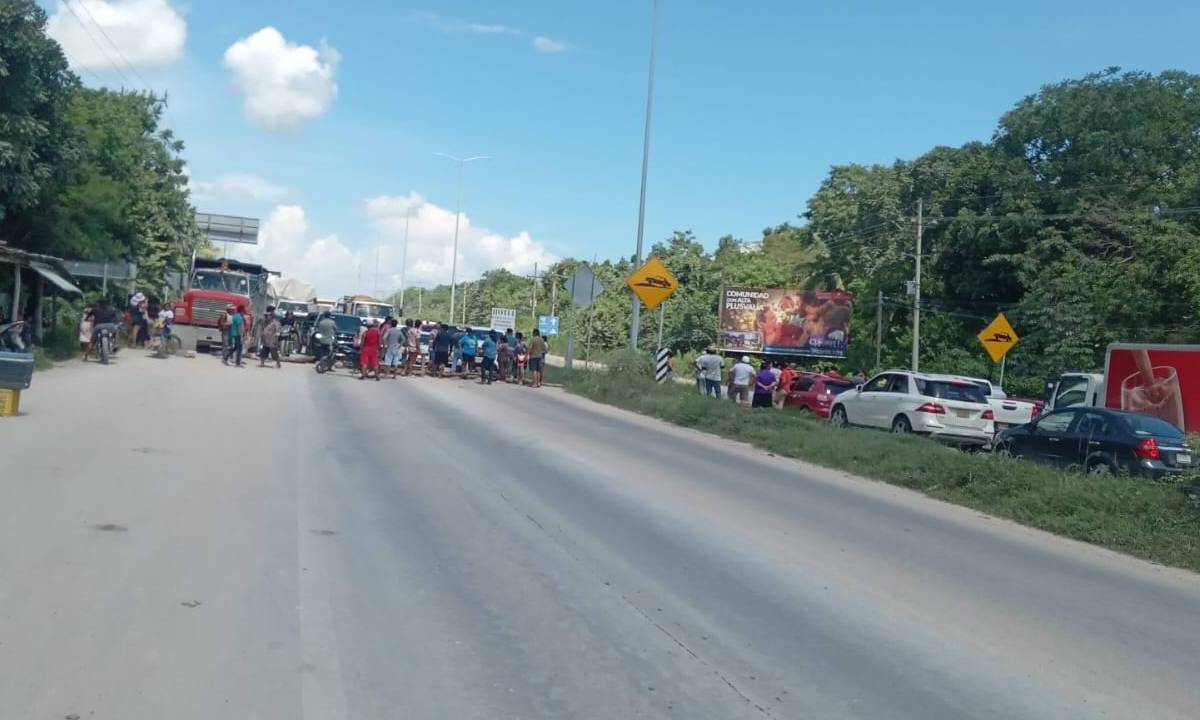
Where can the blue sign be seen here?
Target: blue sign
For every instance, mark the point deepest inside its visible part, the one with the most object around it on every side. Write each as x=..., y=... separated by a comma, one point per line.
x=548, y=324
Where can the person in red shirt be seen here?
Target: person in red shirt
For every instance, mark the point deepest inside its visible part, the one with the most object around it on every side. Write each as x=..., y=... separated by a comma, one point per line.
x=369, y=352
x=786, y=377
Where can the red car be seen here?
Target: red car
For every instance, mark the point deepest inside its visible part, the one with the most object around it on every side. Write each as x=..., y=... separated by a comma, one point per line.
x=815, y=393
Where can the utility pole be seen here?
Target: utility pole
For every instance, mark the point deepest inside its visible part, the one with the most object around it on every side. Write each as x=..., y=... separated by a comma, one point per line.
x=533, y=308
x=404, y=259
x=466, y=289
x=916, y=350
x=635, y=318
x=878, y=329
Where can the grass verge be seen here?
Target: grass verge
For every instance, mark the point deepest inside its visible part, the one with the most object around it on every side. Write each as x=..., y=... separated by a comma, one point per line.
x=1158, y=521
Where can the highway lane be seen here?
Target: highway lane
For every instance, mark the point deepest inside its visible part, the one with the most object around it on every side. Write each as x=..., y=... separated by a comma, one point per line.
x=191, y=541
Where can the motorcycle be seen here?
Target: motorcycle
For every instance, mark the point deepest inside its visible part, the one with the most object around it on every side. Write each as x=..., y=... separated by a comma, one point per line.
x=343, y=354
x=106, y=341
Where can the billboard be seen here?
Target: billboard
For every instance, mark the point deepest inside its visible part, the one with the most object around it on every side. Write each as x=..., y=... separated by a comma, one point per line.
x=784, y=321
x=503, y=318
x=1159, y=380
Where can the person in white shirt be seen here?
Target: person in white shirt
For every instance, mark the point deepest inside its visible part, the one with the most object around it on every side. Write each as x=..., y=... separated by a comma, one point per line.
x=741, y=381
x=708, y=372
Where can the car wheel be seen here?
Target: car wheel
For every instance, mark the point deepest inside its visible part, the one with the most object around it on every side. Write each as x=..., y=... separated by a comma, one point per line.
x=838, y=417
x=901, y=425
x=1003, y=450
x=1099, y=467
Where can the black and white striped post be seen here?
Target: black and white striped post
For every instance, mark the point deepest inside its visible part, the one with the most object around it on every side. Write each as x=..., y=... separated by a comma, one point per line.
x=660, y=364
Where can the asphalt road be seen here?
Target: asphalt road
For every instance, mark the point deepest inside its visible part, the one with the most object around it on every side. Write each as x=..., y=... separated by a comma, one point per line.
x=188, y=541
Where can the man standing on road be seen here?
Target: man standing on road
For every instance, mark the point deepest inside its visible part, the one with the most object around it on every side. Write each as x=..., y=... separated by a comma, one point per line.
x=237, y=328
x=394, y=338
x=488, y=350
x=440, y=346
x=223, y=326
x=709, y=368
x=412, y=342
x=368, y=351
x=269, y=342
x=469, y=345
x=327, y=329
x=741, y=377
x=537, y=357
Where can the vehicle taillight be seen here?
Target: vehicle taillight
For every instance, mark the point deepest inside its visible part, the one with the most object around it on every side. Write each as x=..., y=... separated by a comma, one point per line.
x=1148, y=449
x=932, y=408
x=988, y=414
x=1033, y=415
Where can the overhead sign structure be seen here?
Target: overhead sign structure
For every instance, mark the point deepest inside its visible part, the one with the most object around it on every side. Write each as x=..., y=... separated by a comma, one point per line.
x=584, y=286
x=998, y=338
x=548, y=325
x=228, y=228
x=504, y=318
x=652, y=282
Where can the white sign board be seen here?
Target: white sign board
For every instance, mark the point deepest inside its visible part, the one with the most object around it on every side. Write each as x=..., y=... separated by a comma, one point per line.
x=228, y=228
x=504, y=319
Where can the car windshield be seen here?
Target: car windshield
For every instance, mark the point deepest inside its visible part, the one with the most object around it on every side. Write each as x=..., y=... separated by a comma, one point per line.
x=371, y=310
x=346, y=323
x=949, y=390
x=838, y=388
x=1148, y=425
x=222, y=281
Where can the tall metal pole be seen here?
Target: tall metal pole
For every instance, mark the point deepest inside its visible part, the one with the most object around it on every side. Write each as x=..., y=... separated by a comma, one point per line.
x=404, y=256
x=635, y=318
x=533, y=308
x=454, y=261
x=916, y=345
x=878, y=329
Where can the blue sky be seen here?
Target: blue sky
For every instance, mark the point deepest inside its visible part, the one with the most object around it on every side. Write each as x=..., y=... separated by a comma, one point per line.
x=753, y=103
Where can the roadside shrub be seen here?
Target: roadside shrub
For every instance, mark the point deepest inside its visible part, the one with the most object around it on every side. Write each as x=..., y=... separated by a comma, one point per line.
x=62, y=343
x=629, y=364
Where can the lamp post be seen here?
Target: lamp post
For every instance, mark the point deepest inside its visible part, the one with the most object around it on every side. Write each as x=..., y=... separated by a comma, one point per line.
x=635, y=318
x=457, y=214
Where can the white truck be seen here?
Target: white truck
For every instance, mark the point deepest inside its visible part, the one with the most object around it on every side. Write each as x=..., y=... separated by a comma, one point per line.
x=1159, y=380
x=1008, y=412
x=365, y=307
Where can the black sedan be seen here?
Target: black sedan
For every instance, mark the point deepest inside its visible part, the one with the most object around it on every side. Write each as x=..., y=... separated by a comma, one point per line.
x=1100, y=441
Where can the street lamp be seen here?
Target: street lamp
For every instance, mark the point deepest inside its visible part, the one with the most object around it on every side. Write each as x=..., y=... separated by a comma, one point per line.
x=635, y=319
x=457, y=213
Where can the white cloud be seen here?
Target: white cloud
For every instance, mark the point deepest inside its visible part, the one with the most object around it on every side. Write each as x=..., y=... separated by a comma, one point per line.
x=481, y=29
x=236, y=187
x=285, y=244
x=453, y=25
x=543, y=44
x=283, y=84
x=430, y=243
x=148, y=33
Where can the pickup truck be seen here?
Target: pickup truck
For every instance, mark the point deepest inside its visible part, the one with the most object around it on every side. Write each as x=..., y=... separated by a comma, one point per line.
x=1009, y=412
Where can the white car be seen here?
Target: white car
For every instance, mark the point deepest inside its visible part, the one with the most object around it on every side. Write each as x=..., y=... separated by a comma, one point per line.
x=945, y=408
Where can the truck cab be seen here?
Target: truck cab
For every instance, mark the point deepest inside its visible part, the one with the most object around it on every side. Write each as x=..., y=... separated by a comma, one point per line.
x=1071, y=389
x=365, y=308
x=214, y=285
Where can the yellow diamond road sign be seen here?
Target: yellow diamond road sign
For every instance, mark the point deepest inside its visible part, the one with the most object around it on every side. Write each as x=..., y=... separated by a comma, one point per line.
x=998, y=338
x=653, y=283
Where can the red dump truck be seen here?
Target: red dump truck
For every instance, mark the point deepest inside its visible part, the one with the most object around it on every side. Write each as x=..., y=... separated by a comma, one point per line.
x=212, y=286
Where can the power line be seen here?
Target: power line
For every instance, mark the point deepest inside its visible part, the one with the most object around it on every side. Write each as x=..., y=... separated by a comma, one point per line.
x=110, y=41
x=96, y=42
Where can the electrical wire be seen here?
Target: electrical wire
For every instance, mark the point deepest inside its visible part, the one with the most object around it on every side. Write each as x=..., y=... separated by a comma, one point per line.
x=67, y=4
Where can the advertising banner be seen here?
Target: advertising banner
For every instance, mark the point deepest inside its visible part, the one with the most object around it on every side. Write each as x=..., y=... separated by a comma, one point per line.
x=782, y=321
x=1159, y=380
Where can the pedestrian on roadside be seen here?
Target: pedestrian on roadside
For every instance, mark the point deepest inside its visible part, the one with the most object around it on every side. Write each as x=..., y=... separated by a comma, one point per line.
x=708, y=368
x=412, y=342
x=670, y=366
x=368, y=352
x=237, y=329
x=537, y=357
x=394, y=340
x=502, y=356
x=440, y=349
x=786, y=378
x=86, y=323
x=520, y=360
x=268, y=347
x=223, y=325
x=765, y=383
x=741, y=378
x=469, y=345
x=488, y=350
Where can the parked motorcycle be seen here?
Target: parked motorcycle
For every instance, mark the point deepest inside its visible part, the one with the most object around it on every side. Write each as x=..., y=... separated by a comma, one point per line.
x=10, y=337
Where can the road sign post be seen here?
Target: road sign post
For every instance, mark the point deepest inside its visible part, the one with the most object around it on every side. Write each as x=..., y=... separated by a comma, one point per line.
x=661, y=361
x=998, y=338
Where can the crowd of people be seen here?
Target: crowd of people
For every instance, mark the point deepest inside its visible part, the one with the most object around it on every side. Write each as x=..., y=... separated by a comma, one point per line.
x=393, y=348
x=762, y=387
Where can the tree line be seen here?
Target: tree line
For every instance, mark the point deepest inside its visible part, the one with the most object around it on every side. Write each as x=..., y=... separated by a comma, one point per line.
x=1079, y=219
x=86, y=174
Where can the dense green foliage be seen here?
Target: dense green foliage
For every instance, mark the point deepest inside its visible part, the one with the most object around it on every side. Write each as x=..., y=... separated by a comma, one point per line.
x=1080, y=219
x=1154, y=520
x=84, y=173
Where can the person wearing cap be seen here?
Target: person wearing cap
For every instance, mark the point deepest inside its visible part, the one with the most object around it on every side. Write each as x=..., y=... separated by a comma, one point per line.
x=741, y=380
x=708, y=367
